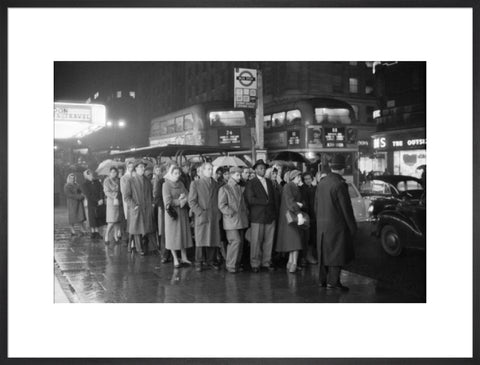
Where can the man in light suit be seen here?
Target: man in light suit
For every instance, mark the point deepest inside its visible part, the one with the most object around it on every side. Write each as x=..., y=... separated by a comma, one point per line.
x=231, y=203
x=203, y=200
x=261, y=200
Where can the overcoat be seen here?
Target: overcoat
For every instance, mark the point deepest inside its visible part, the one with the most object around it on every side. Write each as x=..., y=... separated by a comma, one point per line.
x=288, y=235
x=123, y=187
x=138, y=192
x=111, y=188
x=177, y=231
x=93, y=191
x=203, y=200
x=262, y=206
x=231, y=203
x=336, y=224
x=76, y=211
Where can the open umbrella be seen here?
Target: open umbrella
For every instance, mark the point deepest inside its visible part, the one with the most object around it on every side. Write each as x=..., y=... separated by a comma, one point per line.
x=105, y=166
x=228, y=161
x=422, y=167
x=290, y=156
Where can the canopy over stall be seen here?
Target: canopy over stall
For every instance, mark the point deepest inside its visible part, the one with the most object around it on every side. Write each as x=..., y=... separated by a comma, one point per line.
x=173, y=151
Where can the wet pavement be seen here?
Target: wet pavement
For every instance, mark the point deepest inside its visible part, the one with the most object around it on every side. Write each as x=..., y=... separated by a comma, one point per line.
x=88, y=271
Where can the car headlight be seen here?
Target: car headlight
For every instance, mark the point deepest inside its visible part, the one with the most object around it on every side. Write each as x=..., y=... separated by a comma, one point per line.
x=370, y=210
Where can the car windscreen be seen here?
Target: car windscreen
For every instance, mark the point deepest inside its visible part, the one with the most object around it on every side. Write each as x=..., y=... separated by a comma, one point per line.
x=376, y=187
x=409, y=185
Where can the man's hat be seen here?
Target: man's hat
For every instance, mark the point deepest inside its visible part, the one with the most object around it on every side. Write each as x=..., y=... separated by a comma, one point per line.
x=259, y=162
x=337, y=162
x=139, y=162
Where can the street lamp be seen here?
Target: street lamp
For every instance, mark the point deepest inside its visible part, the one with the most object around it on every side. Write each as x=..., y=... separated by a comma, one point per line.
x=121, y=123
x=109, y=123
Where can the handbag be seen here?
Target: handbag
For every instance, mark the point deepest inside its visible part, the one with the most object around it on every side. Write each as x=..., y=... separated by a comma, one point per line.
x=172, y=212
x=293, y=219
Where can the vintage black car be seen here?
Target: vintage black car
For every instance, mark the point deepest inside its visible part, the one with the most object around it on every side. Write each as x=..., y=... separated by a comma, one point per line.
x=403, y=226
x=385, y=192
x=397, y=211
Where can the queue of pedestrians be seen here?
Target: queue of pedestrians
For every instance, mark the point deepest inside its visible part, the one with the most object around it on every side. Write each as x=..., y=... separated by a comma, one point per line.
x=238, y=218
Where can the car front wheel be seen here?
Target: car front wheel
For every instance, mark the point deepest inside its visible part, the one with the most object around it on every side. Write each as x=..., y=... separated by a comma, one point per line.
x=391, y=241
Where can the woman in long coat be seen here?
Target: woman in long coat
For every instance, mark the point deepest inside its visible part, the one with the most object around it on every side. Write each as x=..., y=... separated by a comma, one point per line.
x=203, y=200
x=177, y=230
x=76, y=211
x=115, y=217
x=93, y=191
x=289, y=238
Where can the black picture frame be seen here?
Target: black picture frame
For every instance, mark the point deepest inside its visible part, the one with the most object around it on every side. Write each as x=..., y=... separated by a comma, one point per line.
x=4, y=198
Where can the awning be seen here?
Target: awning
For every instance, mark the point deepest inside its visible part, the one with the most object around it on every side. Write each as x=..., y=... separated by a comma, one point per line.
x=172, y=150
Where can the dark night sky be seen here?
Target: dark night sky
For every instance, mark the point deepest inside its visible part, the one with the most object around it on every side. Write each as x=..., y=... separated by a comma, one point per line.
x=76, y=81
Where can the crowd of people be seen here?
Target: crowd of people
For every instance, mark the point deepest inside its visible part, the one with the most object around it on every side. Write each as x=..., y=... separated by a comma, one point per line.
x=239, y=218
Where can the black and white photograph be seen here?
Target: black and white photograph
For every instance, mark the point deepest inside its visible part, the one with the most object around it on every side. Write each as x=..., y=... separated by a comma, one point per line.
x=240, y=182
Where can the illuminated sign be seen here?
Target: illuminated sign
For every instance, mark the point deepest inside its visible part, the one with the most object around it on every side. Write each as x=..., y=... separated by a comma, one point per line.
x=74, y=120
x=314, y=137
x=397, y=142
x=380, y=142
x=293, y=138
x=229, y=136
x=335, y=137
x=245, y=88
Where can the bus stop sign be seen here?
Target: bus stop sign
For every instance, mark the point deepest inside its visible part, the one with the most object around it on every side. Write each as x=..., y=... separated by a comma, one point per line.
x=245, y=88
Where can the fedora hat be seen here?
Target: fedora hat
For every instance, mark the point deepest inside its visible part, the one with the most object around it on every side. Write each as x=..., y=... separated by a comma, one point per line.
x=260, y=162
x=337, y=162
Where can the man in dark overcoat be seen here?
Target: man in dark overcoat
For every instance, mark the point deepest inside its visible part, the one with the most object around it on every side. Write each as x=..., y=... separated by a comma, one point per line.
x=336, y=226
x=261, y=200
x=139, y=197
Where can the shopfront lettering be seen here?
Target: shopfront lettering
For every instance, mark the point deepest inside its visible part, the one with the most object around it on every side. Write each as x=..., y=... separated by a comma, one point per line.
x=417, y=142
x=379, y=142
x=397, y=143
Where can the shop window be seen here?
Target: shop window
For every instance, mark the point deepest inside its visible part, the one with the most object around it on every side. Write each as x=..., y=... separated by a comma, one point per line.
x=406, y=162
x=353, y=85
x=119, y=94
x=230, y=118
x=333, y=115
x=278, y=119
x=132, y=94
x=188, y=122
x=294, y=117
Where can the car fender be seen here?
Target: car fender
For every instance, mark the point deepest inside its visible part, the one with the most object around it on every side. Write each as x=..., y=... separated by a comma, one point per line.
x=397, y=220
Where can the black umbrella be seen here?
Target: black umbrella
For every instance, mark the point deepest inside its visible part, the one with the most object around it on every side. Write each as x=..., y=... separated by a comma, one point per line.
x=290, y=156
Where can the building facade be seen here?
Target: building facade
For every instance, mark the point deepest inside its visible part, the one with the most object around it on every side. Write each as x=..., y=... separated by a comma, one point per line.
x=400, y=143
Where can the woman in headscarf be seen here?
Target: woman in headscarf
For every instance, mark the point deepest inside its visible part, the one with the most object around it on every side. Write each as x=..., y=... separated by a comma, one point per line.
x=289, y=238
x=177, y=225
x=114, y=216
x=93, y=191
x=76, y=212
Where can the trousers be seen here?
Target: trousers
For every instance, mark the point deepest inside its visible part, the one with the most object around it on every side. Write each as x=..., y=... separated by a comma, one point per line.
x=234, y=248
x=261, y=244
x=327, y=274
x=205, y=254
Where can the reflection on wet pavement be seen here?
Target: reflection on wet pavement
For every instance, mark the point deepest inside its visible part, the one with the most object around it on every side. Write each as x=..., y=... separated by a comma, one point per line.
x=109, y=274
